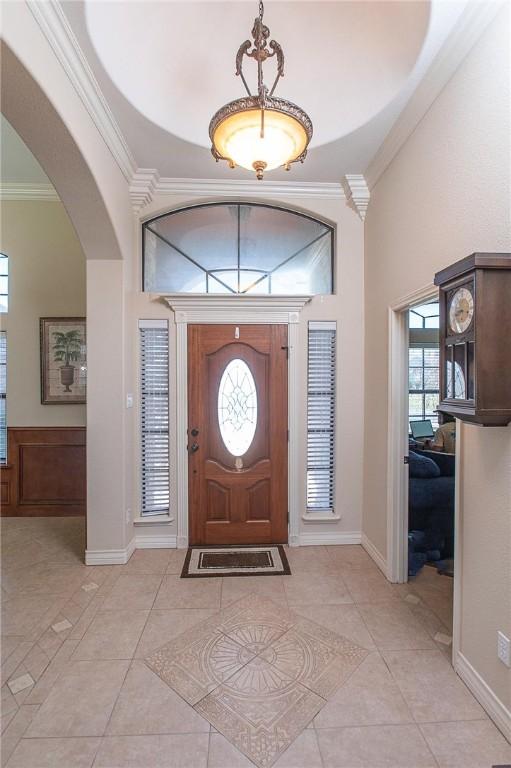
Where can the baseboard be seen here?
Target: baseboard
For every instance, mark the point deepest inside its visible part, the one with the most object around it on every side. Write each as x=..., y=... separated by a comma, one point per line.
x=155, y=542
x=121, y=556
x=310, y=538
x=492, y=705
x=375, y=555
x=109, y=556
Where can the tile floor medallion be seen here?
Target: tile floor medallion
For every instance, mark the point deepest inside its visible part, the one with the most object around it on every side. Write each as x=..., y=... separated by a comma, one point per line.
x=258, y=672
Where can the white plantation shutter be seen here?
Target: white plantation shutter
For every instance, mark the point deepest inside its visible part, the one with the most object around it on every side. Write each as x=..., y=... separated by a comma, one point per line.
x=321, y=417
x=154, y=387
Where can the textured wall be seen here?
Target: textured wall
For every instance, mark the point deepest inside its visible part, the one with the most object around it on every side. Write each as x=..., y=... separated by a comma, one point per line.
x=46, y=279
x=445, y=195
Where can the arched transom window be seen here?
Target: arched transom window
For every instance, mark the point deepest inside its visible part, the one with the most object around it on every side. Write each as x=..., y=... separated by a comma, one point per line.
x=238, y=248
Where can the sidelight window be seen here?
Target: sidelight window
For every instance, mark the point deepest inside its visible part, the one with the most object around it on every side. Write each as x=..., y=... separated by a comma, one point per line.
x=237, y=407
x=154, y=385
x=234, y=248
x=3, y=397
x=4, y=283
x=321, y=417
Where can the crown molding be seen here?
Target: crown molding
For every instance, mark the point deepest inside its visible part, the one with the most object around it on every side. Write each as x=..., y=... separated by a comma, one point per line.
x=473, y=22
x=147, y=184
x=143, y=187
x=357, y=193
x=53, y=22
x=28, y=191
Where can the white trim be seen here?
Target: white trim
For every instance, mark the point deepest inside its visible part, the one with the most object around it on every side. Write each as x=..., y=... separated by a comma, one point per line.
x=492, y=705
x=152, y=520
x=322, y=325
x=110, y=556
x=143, y=187
x=153, y=323
x=374, y=554
x=458, y=538
x=156, y=542
x=397, y=448
x=147, y=184
x=304, y=189
x=206, y=308
x=320, y=517
x=293, y=420
x=357, y=193
x=265, y=310
x=121, y=556
x=469, y=28
x=53, y=23
x=10, y=190
x=181, y=432
x=397, y=444
x=318, y=538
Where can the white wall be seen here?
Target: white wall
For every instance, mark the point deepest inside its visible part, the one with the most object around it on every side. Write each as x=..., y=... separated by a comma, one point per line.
x=46, y=279
x=346, y=307
x=445, y=195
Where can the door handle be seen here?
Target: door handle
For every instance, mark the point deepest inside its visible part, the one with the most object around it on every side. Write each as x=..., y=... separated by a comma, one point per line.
x=194, y=448
x=195, y=432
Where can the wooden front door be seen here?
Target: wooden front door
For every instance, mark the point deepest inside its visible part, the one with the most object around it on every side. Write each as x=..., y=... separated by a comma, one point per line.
x=237, y=434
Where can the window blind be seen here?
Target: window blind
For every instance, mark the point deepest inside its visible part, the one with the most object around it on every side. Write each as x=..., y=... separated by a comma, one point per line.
x=423, y=382
x=154, y=387
x=321, y=416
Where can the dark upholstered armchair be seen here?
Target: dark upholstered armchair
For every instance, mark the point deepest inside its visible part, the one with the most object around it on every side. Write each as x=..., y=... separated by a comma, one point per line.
x=431, y=495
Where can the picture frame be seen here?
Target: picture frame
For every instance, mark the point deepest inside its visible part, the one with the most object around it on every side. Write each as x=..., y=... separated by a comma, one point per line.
x=63, y=360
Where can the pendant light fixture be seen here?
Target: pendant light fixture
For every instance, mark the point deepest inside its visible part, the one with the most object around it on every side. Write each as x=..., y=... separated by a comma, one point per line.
x=260, y=132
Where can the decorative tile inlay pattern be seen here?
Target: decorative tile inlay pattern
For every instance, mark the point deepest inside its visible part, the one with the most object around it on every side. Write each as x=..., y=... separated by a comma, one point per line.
x=20, y=683
x=257, y=672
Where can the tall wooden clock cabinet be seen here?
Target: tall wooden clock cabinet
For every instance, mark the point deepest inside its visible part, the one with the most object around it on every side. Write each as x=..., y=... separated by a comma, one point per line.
x=475, y=339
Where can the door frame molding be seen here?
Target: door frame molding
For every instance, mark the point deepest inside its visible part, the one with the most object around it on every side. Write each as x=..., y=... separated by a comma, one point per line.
x=397, y=443
x=240, y=310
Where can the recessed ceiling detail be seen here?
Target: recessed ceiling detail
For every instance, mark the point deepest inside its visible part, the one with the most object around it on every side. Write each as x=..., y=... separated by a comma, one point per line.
x=174, y=62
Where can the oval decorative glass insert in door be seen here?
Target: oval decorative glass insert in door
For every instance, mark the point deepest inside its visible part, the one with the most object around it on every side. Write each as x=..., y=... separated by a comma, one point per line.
x=237, y=407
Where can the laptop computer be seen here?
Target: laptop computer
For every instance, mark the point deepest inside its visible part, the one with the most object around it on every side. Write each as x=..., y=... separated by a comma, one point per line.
x=422, y=430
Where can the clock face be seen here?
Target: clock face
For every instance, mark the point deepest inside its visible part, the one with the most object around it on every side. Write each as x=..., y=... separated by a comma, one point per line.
x=461, y=310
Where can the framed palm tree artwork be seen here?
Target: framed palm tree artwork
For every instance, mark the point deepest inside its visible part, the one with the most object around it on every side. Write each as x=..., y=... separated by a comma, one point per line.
x=63, y=360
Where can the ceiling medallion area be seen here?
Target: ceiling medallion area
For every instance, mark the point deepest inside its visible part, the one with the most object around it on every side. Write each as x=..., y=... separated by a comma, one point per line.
x=260, y=132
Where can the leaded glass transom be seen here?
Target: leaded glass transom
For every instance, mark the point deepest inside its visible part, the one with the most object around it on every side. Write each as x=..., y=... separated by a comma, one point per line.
x=237, y=407
x=236, y=248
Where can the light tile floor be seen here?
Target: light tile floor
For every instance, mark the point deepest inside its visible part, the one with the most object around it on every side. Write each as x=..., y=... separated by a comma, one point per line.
x=95, y=702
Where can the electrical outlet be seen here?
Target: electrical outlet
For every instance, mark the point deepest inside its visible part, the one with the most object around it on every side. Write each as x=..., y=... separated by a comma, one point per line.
x=503, y=651
x=128, y=515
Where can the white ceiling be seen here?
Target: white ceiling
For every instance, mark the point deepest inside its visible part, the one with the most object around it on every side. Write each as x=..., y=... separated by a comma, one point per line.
x=165, y=67
x=185, y=74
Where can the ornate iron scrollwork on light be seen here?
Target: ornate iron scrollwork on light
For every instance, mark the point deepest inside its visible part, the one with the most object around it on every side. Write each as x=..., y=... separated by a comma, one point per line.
x=262, y=131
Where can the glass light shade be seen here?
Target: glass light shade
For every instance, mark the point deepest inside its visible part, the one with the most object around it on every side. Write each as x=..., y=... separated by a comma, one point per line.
x=238, y=138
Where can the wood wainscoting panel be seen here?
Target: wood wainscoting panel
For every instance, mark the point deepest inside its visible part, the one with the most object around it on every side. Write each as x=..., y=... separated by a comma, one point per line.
x=46, y=472
x=6, y=475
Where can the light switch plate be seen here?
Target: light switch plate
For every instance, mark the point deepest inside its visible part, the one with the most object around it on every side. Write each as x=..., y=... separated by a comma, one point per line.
x=503, y=650
x=129, y=400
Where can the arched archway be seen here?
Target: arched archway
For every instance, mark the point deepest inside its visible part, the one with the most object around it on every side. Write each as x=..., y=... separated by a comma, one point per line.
x=44, y=108
x=36, y=120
